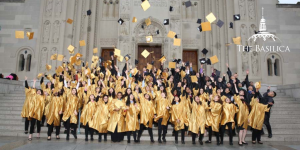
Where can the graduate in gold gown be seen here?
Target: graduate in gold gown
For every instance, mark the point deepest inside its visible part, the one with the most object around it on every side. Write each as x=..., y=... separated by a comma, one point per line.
x=87, y=116
x=54, y=113
x=147, y=114
x=179, y=118
x=116, y=123
x=162, y=111
x=256, y=118
x=132, y=109
x=198, y=119
x=36, y=110
x=228, y=113
x=26, y=105
x=101, y=117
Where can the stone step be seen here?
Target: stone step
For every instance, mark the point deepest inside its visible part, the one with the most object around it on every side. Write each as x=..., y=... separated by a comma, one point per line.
x=12, y=97
x=15, y=94
x=284, y=116
x=286, y=105
x=287, y=102
x=286, y=112
x=10, y=112
x=284, y=108
x=283, y=98
x=18, y=92
x=11, y=108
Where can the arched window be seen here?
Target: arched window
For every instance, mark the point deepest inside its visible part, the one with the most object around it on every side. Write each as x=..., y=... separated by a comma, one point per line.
x=21, y=62
x=276, y=67
x=28, y=62
x=269, y=63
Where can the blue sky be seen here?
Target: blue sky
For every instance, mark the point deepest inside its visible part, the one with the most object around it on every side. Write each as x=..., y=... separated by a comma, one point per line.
x=289, y=1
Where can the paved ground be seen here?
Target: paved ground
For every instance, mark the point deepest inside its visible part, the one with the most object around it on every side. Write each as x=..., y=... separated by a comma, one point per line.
x=42, y=144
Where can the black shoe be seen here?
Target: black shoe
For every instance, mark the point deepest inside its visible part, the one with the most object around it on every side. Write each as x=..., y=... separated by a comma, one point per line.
x=270, y=136
x=65, y=132
x=159, y=141
x=182, y=142
x=49, y=139
x=245, y=143
x=201, y=142
x=42, y=125
x=136, y=141
x=105, y=139
x=221, y=142
x=193, y=142
x=67, y=138
x=240, y=144
x=262, y=133
x=173, y=134
x=152, y=141
x=128, y=141
x=92, y=139
x=233, y=133
x=218, y=143
x=231, y=143
x=74, y=134
x=26, y=132
x=164, y=139
x=86, y=139
x=259, y=142
x=176, y=142
x=208, y=141
x=99, y=140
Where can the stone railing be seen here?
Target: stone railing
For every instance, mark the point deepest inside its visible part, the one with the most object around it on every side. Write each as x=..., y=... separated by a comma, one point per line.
x=292, y=90
x=6, y=86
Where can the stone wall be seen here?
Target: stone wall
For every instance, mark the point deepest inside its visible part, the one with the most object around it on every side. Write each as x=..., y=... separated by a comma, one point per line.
x=292, y=90
x=7, y=86
x=18, y=16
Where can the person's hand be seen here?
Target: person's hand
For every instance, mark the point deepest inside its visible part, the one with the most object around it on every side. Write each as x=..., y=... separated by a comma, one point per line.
x=252, y=92
x=191, y=64
x=227, y=65
x=234, y=81
x=34, y=80
x=210, y=97
x=60, y=112
x=269, y=87
x=178, y=120
x=154, y=116
x=224, y=74
x=183, y=63
x=75, y=112
x=168, y=107
x=112, y=57
x=79, y=79
x=99, y=94
x=25, y=78
x=270, y=103
x=247, y=72
x=241, y=97
x=177, y=70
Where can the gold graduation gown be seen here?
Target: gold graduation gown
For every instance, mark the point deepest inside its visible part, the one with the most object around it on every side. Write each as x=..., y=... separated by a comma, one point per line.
x=37, y=111
x=55, y=106
x=101, y=117
x=216, y=109
x=131, y=117
x=242, y=115
x=257, y=114
x=88, y=112
x=228, y=113
x=47, y=102
x=198, y=117
x=71, y=105
x=27, y=102
x=161, y=110
x=179, y=111
x=147, y=111
x=116, y=117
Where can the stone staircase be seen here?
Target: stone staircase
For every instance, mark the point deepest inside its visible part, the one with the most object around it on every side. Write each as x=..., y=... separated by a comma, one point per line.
x=284, y=119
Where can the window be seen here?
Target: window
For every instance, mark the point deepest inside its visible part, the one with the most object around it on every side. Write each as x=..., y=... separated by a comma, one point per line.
x=28, y=62
x=276, y=67
x=270, y=71
x=21, y=62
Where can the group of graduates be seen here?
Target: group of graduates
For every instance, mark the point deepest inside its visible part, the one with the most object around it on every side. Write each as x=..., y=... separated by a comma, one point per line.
x=106, y=100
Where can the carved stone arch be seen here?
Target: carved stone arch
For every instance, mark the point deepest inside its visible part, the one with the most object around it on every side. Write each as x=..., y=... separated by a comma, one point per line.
x=25, y=51
x=24, y=48
x=56, y=31
x=46, y=31
x=269, y=55
x=154, y=22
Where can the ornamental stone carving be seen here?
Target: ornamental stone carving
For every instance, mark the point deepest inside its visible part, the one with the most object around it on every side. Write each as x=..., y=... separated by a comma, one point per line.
x=46, y=31
x=43, y=59
x=48, y=8
x=245, y=62
x=125, y=6
x=251, y=8
x=244, y=36
x=254, y=63
x=56, y=31
x=242, y=9
x=58, y=8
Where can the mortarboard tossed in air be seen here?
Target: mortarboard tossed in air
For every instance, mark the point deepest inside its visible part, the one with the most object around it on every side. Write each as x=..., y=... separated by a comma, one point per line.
x=117, y=52
x=171, y=8
x=136, y=62
x=211, y=17
x=177, y=42
x=142, y=26
x=145, y=5
x=157, y=32
x=40, y=75
x=69, y=21
x=148, y=21
x=19, y=34
x=206, y=26
x=162, y=59
x=187, y=63
x=95, y=50
x=236, y=17
x=231, y=25
x=176, y=36
x=171, y=34
x=188, y=4
x=89, y=12
x=127, y=57
x=82, y=43
x=149, y=66
x=53, y=57
x=237, y=40
x=208, y=62
x=178, y=61
x=172, y=64
x=149, y=39
x=220, y=23
x=60, y=57
x=199, y=28
x=145, y=53
x=214, y=59
x=120, y=21
x=202, y=60
x=166, y=21
x=71, y=49
x=134, y=19
x=48, y=67
x=194, y=79
x=199, y=21
x=120, y=58
x=204, y=51
x=30, y=35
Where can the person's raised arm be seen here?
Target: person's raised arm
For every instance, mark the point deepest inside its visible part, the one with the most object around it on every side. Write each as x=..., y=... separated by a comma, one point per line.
x=42, y=79
x=229, y=71
x=26, y=83
x=34, y=81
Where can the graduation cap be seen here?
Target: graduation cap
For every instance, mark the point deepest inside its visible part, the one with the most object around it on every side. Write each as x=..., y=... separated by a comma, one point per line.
x=82, y=43
x=206, y=26
x=220, y=23
x=30, y=35
x=199, y=21
x=145, y=53
x=145, y=5
x=162, y=59
x=19, y=34
x=208, y=62
x=247, y=49
x=176, y=36
x=231, y=25
x=120, y=21
x=157, y=32
x=237, y=40
x=166, y=21
x=95, y=50
x=89, y=12
x=149, y=39
x=188, y=4
x=148, y=21
x=134, y=19
x=171, y=34
x=187, y=63
x=48, y=67
x=236, y=17
x=69, y=21
x=202, y=60
x=214, y=59
x=256, y=32
x=211, y=17
x=217, y=72
x=171, y=8
x=204, y=51
x=136, y=62
x=178, y=61
x=177, y=42
x=172, y=64
x=200, y=28
x=127, y=57
x=111, y=53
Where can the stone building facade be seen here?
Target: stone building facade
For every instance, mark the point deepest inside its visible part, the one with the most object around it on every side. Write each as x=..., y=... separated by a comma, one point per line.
x=52, y=34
